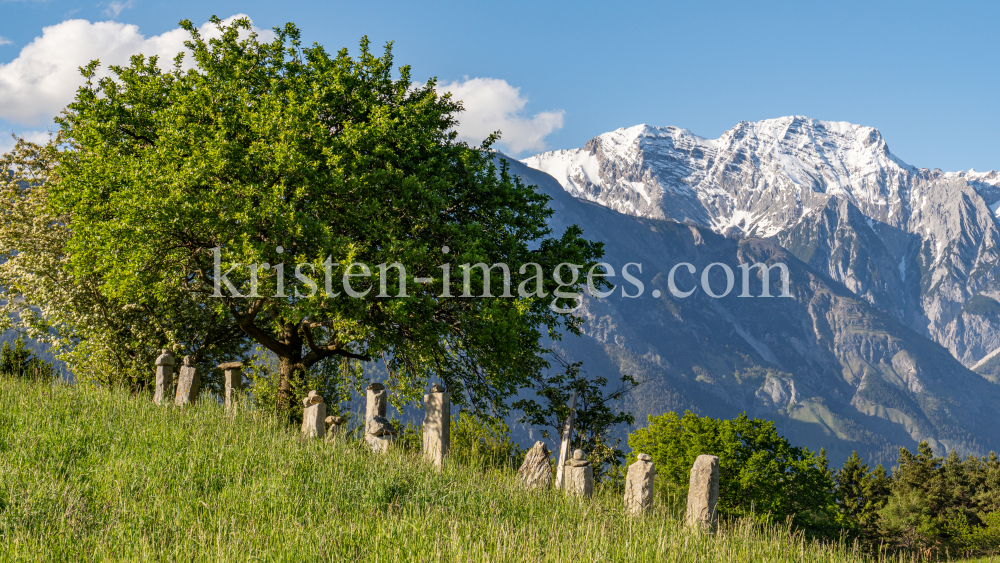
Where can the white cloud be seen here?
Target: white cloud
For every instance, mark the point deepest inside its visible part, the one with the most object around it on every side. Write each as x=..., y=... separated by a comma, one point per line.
x=115, y=8
x=493, y=105
x=44, y=77
x=5, y=41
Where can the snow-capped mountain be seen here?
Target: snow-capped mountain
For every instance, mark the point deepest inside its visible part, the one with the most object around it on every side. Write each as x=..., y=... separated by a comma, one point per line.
x=829, y=368
x=756, y=179
x=921, y=245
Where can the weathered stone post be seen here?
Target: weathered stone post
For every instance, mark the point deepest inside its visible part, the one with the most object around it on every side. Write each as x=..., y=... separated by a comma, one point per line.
x=378, y=430
x=313, y=416
x=234, y=382
x=376, y=401
x=333, y=426
x=639, y=485
x=437, y=424
x=703, y=493
x=188, y=384
x=536, y=471
x=579, y=476
x=567, y=435
x=164, y=376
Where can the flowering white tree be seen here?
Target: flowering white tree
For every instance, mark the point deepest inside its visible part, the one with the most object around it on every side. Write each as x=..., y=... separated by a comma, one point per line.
x=102, y=339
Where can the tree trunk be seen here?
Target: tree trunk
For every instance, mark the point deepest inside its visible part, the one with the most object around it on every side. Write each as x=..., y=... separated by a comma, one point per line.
x=287, y=365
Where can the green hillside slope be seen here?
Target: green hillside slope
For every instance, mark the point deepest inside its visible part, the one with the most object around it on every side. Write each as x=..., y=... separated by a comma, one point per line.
x=90, y=474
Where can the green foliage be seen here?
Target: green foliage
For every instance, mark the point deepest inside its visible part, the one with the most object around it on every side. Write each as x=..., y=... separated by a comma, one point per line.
x=278, y=153
x=759, y=471
x=94, y=474
x=102, y=338
x=409, y=436
x=943, y=505
x=921, y=497
x=907, y=521
x=18, y=361
x=975, y=540
x=333, y=379
x=861, y=493
x=594, y=419
x=483, y=441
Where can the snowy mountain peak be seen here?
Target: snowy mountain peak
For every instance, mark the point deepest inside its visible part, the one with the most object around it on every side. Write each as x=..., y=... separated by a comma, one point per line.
x=831, y=193
x=756, y=179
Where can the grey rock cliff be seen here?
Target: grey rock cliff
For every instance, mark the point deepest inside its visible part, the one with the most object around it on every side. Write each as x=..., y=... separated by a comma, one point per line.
x=916, y=243
x=847, y=363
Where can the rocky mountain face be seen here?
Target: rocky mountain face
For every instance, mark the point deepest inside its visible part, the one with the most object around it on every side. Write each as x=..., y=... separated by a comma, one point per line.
x=893, y=276
x=918, y=244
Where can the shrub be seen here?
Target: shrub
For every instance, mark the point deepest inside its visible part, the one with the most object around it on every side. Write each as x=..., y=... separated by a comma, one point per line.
x=333, y=379
x=483, y=441
x=759, y=471
x=18, y=361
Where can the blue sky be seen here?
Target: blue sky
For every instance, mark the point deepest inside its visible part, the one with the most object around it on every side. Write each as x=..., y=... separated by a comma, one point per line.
x=926, y=75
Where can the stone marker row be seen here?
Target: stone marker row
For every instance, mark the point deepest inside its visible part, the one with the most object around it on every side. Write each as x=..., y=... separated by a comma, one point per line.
x=188, y=383
x=379, y=431
x=574, y=474
x=189, y=380
x=703, y=491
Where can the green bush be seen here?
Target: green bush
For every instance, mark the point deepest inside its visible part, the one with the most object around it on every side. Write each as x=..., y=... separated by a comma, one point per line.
x=941, y=506
x=483, y=441
x=333, y=379
x=409, y=436
x=972, y=540
x=18, y=361
x=861, y=493
x=759, y=471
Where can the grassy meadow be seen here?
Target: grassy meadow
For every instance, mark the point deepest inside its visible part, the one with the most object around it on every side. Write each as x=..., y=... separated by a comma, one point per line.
x=89, y=474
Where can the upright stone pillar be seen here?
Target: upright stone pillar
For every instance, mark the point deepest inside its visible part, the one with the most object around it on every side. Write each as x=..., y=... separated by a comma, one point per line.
x=164, y=377
x=703, y=493
x=639, y=485
x=379, y=432
x=567, y=435
x=313, y=416
x=188, y=384
x=536, y=471
x=234, y=382
x=376, y=401
x=437, y=424
x=579, y=476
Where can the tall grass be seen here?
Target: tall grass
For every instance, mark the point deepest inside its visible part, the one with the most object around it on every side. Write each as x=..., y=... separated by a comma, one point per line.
x=94, y=474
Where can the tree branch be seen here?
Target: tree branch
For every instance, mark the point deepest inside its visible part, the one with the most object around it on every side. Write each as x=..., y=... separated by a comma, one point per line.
x=247, y=324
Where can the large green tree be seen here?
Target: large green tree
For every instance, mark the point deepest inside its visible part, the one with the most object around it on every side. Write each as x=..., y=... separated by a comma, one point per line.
x=760, y=472
x=861, y=492
x=221, y=179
